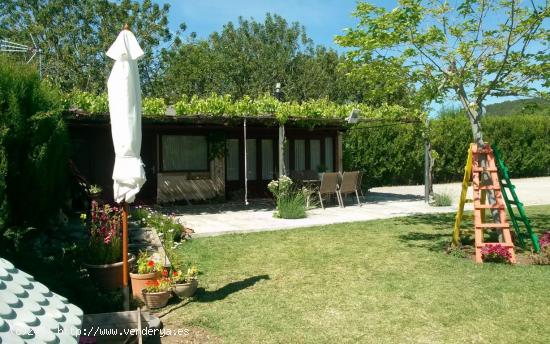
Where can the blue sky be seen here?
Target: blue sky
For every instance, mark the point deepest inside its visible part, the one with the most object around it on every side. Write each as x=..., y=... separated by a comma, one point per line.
x=323, y=19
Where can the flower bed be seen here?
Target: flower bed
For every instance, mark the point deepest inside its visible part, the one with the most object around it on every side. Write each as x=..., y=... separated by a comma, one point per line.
x=543, y=257
x=496, y=254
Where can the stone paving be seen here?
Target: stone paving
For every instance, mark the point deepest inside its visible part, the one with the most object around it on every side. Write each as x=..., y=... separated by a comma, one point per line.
x=379, y=203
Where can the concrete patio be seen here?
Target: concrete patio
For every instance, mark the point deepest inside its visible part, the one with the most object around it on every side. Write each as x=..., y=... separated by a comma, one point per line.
x=379, y=203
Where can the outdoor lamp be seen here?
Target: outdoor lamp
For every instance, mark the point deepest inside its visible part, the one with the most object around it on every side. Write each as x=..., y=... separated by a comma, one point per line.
x=353, y=117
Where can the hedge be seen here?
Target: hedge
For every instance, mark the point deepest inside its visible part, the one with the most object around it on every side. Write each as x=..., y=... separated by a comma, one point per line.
x=392, y=155
x=388, y=154
x=33, y=151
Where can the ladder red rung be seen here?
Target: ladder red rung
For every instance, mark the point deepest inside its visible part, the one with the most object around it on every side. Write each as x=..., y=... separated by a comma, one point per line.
x=478, y=205
x=484, y=169
x=483, y=151
x=489, y=187
x=492, y=225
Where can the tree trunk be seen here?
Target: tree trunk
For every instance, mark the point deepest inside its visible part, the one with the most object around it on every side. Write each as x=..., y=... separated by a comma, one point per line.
x=428, y=164
x=474, y=116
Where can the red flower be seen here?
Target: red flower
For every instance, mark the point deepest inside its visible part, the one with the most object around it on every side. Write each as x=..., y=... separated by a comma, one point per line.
x=164, y=273
x=153, y=283
x=151, y=264
x=175, y=273
x=497, y=253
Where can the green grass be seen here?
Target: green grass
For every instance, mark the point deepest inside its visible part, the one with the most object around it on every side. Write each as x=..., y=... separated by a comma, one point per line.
x=382, y=281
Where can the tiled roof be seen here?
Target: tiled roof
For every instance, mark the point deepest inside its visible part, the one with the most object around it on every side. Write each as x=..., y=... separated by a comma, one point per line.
x=31, y=313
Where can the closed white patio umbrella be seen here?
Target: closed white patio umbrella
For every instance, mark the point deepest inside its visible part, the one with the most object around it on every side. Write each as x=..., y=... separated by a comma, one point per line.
x=124, y=93
x=125, y=110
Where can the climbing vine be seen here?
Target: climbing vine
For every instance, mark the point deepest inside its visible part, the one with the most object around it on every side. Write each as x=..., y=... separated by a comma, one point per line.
x=311, y=111
x=216, y=145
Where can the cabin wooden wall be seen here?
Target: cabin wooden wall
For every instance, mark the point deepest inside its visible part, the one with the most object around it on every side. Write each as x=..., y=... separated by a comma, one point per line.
x=93, y=155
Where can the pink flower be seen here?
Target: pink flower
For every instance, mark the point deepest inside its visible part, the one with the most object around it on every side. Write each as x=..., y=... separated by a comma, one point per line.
x=496, y=253
x=544, y=240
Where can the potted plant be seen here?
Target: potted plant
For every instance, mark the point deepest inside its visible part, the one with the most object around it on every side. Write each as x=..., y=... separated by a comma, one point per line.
x=103, y=259
x=157, y=292
x=147, y=270
x=185, y=285
x=95, y=191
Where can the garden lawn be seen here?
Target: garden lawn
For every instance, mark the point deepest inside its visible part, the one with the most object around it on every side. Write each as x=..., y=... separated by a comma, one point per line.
x=385, y=281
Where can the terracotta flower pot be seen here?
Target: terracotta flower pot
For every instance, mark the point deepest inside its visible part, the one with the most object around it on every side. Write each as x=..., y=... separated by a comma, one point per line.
x=108, y=276
x=183, y=290
x=156, y=300
x=139, y=281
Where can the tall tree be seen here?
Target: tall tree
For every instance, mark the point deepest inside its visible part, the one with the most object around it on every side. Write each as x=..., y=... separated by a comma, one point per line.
x=74, y=35
x=243, y=59
x=472, y=50
x=249, y=57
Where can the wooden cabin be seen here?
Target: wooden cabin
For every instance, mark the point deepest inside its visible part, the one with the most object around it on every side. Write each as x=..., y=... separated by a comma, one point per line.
x=203, y=157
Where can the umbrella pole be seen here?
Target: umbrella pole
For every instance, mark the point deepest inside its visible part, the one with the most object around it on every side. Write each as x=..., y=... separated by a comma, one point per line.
x=245, y=166
x=125, y=291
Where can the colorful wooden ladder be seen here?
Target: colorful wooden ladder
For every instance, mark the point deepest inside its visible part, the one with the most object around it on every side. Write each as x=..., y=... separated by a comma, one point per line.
x=472, y=175
x=506, y=184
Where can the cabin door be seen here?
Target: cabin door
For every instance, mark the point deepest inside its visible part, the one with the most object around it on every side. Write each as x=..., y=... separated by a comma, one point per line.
x=261, y=166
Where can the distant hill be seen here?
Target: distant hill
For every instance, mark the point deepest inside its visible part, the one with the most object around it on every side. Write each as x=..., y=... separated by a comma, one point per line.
x=520, y=106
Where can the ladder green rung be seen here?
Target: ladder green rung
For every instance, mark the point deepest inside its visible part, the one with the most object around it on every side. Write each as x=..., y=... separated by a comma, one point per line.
x=525, y=221
x=516, y=204
x=503, y=174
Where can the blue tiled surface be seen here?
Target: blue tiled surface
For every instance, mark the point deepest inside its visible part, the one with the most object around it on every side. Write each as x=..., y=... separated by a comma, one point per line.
x=31, y=313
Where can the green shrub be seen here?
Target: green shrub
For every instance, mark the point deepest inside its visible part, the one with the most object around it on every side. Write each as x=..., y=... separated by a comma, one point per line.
x=33, y=151
x=392, y=155
x=524, y=141
x=450, y=138
x=388, y=155
x=442, y=200
x=290, y=201
x=291, y=205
